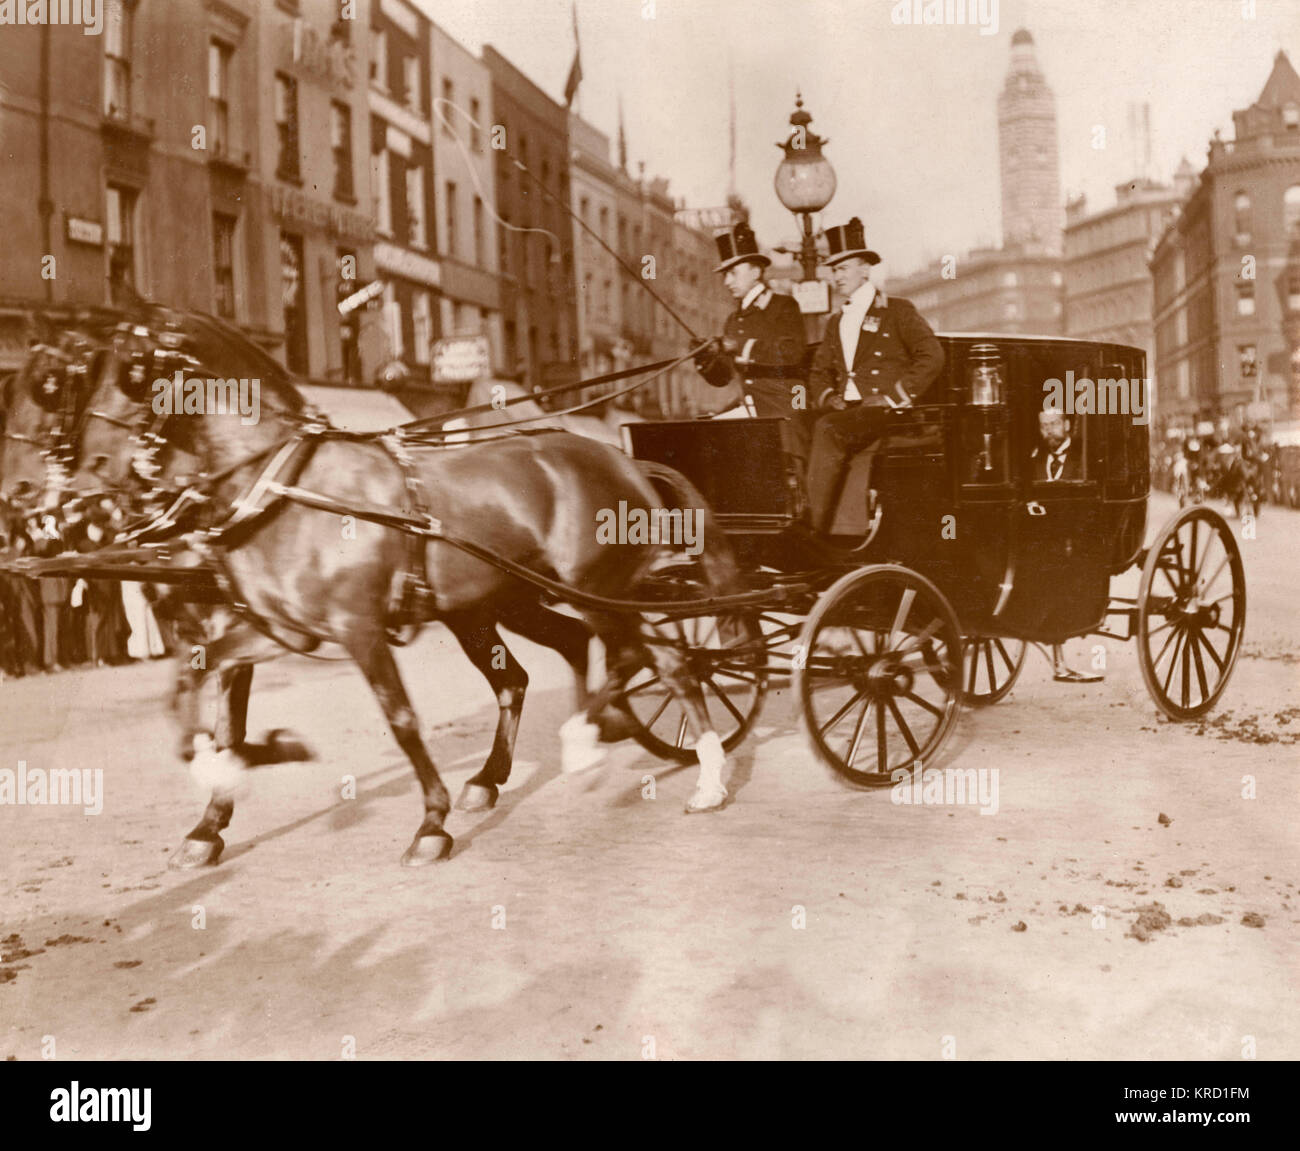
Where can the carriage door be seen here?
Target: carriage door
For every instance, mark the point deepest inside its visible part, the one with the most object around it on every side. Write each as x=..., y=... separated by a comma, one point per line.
x=1059, y=563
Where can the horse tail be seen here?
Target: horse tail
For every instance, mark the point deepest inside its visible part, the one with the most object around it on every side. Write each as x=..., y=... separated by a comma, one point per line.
x=717, y=559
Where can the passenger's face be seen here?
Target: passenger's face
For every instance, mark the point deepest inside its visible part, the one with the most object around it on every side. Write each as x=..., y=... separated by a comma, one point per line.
x=739, y=278
x=850, y=275
x=1051, y=426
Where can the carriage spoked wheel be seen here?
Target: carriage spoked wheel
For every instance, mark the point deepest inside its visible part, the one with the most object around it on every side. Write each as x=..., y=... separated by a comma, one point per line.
x=1191, y=612
x=990, y=668
x=879, y=678
x=725, y=653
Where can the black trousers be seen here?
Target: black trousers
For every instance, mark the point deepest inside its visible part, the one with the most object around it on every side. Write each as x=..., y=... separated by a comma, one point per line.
x=837, y=437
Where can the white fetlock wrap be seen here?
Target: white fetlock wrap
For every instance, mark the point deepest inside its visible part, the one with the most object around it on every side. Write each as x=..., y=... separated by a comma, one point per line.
x=216, y=770
x=709, y=789
x=579, y=744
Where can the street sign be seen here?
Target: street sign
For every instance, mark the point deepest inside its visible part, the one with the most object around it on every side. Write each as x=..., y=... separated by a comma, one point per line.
x=813, y=296
x=361, y=296
x=461, y=359
x=705, y=219
x=85, y=231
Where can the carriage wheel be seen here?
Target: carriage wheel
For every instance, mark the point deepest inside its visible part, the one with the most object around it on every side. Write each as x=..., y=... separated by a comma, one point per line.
x=726, y=655
x=880, y=678
x=990, y=668
x=1191, y=612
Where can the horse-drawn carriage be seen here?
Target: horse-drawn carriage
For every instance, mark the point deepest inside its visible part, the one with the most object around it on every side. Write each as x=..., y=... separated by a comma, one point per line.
x=976, y=555
x=968, y=550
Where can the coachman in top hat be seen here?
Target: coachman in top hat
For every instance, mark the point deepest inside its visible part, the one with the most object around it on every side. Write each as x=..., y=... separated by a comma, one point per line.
x=877, y=353
x=762, y=343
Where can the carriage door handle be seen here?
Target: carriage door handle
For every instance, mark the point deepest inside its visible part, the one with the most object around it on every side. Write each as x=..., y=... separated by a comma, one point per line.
x=1035, y=508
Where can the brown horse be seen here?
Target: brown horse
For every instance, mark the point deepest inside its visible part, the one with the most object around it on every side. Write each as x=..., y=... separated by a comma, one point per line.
x=307, y=575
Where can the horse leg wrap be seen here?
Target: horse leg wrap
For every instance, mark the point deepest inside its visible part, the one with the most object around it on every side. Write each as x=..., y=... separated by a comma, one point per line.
x=215, y=770
x=579, y=744
x=709, y=790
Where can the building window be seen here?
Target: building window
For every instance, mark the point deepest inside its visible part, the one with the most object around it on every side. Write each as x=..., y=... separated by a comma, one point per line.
x=286, y=126
x=422, y=325
x=1291, y=211
x=453, y=240
x=223, y=264
x=1293, y=291
x=475, y=132
x=349, y=323
x=503, y=246
x=417, y=233
x=1246, y=360
x=379, y=58
x=604, y=225
x=291, y=297
x=449, y=96
x=219, y=98
x=341, y=145
x=411, y=80
x=393, y=322
x=117, y=60
x=120, y=204
x=480, y=255
x=1241, y=216
x=382, y=192
x=1009, y=279
x=1245, y=299
x=1291, y=117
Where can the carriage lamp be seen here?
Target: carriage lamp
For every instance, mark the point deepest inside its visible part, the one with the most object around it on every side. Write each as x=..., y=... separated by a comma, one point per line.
x=986, y=388
x=805, y=180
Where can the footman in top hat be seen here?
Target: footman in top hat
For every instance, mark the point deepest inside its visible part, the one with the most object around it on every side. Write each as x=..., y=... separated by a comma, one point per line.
x=762, y=344
x=877, y=353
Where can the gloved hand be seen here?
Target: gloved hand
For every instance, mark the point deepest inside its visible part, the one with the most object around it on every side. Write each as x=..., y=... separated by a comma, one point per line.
x=831, y=401
x=707, y=354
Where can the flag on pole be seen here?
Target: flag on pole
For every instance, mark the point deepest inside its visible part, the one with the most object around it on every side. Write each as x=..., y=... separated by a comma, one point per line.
x=575, y=70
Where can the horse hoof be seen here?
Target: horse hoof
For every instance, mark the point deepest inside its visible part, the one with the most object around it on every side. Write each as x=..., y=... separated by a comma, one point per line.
x=706, y=799
x=427, y=849
x=477, y=797
x=194, y=853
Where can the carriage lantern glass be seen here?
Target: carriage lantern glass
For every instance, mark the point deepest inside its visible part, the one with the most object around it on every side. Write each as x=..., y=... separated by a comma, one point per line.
x=986, y=384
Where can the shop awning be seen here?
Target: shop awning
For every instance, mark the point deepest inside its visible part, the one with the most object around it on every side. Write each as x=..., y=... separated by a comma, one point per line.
x=356, y=409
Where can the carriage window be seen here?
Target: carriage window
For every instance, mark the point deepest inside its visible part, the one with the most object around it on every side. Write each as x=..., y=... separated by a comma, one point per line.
x=1245, y=299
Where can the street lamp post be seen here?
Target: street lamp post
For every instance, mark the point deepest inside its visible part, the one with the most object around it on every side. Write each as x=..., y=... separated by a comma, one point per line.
x=805, y=180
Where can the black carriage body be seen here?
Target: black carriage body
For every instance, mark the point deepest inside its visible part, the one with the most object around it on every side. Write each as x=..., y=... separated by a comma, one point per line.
x=963, y=496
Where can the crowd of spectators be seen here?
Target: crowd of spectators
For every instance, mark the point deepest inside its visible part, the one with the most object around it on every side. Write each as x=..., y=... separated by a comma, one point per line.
x=49, y=624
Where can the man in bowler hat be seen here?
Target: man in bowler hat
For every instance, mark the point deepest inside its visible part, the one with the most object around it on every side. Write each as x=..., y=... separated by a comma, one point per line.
x=877, y=353
x=762, y=343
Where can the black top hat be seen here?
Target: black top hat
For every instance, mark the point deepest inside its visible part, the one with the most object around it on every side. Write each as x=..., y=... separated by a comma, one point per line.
x=846, y=241
x=736, y=245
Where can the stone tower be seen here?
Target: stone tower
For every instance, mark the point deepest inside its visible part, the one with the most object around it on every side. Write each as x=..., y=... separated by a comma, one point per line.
x=1032, y=217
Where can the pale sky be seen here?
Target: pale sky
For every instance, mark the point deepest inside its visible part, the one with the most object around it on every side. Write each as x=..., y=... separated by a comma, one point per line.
x=910, y=112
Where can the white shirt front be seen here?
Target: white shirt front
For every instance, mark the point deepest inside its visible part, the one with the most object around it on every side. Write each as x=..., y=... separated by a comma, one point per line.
x=852, y=315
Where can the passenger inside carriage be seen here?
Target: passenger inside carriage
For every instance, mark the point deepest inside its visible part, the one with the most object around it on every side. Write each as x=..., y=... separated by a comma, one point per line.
x=1058, y=456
